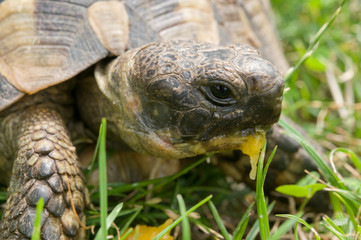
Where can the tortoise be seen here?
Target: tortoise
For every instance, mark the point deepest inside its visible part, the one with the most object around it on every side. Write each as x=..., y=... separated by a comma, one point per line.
x=173, y=78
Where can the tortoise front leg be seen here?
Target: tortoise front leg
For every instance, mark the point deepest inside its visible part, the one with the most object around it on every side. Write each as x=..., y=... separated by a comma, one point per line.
x=45, y=167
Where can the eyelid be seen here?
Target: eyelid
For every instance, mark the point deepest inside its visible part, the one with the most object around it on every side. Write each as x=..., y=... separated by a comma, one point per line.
x=205, y=89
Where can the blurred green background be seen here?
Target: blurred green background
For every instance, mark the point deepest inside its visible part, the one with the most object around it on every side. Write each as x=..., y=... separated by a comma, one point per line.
x=324, y=95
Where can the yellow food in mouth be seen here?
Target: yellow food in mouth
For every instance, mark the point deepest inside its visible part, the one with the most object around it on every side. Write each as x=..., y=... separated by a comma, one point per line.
x=252, y=147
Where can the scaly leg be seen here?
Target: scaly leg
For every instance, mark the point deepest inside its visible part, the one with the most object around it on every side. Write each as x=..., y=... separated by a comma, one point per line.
x=45, y=167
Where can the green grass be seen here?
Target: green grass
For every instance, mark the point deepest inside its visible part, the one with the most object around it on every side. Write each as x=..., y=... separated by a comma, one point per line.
x=37, y=221
x=102, y=234
x=186, y=230
x=262, y=213
x=345, y=201
x=310, y=102
x=204, y=203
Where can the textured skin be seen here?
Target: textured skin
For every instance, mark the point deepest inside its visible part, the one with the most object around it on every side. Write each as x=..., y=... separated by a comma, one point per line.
x=169, y=85
x=27, y=56
x=45, y=165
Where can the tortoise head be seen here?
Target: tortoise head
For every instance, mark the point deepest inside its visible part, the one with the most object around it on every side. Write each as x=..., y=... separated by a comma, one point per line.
x=181, y=99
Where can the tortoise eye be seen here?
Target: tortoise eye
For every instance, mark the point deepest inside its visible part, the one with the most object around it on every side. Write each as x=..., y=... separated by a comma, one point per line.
x=219, y=93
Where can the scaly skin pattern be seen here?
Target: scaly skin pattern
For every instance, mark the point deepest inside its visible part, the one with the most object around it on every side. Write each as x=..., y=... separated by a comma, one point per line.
x=181, y=98
x=45, y=167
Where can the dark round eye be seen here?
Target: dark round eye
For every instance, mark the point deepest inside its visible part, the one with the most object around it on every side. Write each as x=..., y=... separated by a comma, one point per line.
x=221, y=91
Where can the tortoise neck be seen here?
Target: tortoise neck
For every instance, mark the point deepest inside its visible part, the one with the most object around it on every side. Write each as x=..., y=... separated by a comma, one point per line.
x=92, y=106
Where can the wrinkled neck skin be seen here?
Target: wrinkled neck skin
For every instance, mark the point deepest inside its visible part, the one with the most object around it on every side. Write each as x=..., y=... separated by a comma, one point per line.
x=121, y=106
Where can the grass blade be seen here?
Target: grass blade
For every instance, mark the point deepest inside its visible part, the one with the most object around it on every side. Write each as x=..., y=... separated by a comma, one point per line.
x=130, y=230
x=265, y=169
x=170, y=227
x=325, y=169
x=37, y=221
x=314, y=42
x=131, y=219
x=353, y=197
x=300, y=220
x=206, y=229
x=111, y=218
x=169, y=179
x=219, y=220
x=186, y=232
x=336, y=206
x=241, y=227
x=355, y=160
x=114, y=214
x=252, y=234
x=285, y=227
x=351, y=212
x=260, y=201
x=335, y=232
x=330, y=225
x=103, y=181
x=92, y=165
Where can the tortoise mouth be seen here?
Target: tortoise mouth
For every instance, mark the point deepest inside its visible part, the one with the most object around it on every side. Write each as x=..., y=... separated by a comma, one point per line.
x=162, y=144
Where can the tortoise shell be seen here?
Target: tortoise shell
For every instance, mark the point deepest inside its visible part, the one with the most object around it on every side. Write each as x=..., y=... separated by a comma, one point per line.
x=44, y=43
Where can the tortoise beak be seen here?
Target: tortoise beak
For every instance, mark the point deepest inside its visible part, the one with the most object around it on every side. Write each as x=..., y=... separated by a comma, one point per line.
x=271, y=102
x=264, y=93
